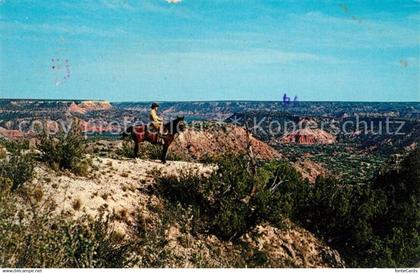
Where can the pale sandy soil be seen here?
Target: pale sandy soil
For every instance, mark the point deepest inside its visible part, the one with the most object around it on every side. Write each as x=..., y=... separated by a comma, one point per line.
x=125, y=188
x=113, y=185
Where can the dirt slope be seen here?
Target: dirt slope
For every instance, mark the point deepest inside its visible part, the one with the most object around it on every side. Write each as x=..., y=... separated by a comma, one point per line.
x=310, y=170
x=126, y=188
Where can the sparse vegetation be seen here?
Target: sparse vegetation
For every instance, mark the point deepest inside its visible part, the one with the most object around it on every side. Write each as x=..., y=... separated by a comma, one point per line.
x=77, y=204
x=147, y=151
x=3, y=152
x=223, y=204
x=18, y=167
x=104, y=196
x=65, y=151
x=126, y=149
x=371, y=224
x=39, y=241
x=14, y=146
x=344, y=161
x=374, y=224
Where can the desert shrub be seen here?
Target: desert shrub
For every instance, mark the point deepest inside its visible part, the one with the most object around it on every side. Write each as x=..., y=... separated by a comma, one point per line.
x=233, y=199
x=90, y=244
x=150, y=151
x=146, y=151
x=65, y=151
x=398, y=222
x=3, y=152
x=126, y=150
x=41, y=241
x=374, y=224
x=151, y=245
x=18, y=168
x=14, y=146
x=277, y=199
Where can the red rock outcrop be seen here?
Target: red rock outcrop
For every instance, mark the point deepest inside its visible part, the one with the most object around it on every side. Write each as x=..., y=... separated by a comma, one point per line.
x=95, y=105
x=74, y=108
x=87, y=106
x=309, y=136
x=217, y=141
x=11, y=134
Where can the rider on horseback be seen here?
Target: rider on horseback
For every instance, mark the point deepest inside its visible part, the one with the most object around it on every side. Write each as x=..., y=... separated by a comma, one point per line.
x=156, y=121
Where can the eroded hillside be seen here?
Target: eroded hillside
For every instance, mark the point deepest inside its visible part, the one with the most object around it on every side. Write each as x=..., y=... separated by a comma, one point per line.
x=126, y=190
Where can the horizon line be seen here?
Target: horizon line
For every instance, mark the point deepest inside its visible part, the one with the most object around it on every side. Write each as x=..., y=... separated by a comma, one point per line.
x=195, y=101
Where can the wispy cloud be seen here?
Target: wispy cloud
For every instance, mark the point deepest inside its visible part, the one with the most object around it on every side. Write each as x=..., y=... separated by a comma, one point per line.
x=48, y=29
x=121, y=5
x=353, y=32
x=97, y=5
x=117, y=4
x=213, y=59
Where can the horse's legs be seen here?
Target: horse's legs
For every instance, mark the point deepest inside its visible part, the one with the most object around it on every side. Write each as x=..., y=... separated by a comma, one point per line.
x=164, y=153
x=136, y=149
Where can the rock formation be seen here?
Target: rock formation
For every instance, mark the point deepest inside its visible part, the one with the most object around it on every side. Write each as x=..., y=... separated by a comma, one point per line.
x=87, y=106
x=198, y=144
x=309, y=136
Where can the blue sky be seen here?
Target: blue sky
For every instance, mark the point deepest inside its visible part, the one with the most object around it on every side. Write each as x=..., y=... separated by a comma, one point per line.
x=146, y=50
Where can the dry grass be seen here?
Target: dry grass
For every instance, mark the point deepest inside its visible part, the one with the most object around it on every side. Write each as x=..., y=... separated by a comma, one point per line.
x=105, y=196
x=122, y=215
x=77, y=204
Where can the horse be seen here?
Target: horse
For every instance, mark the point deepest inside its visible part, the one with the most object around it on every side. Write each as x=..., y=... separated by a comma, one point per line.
x=141, y=133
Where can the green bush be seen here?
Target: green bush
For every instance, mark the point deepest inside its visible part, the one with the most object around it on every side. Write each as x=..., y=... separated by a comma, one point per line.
x=41, y=241
x=398, y=222
x=3, y=152
x=14, y=146
x=90, y=244
x=224, y=203
x=127, y=150
x=18, y=168
x=150, y=151
x=374, y=224
x=151, y=242
x=146, y=151
x=65, y=151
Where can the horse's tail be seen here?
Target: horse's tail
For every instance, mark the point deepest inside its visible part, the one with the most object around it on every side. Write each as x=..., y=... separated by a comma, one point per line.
x=127, y=132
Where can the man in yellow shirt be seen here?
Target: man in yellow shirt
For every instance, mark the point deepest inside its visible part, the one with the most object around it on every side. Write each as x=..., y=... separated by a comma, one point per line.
x=156, y=121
